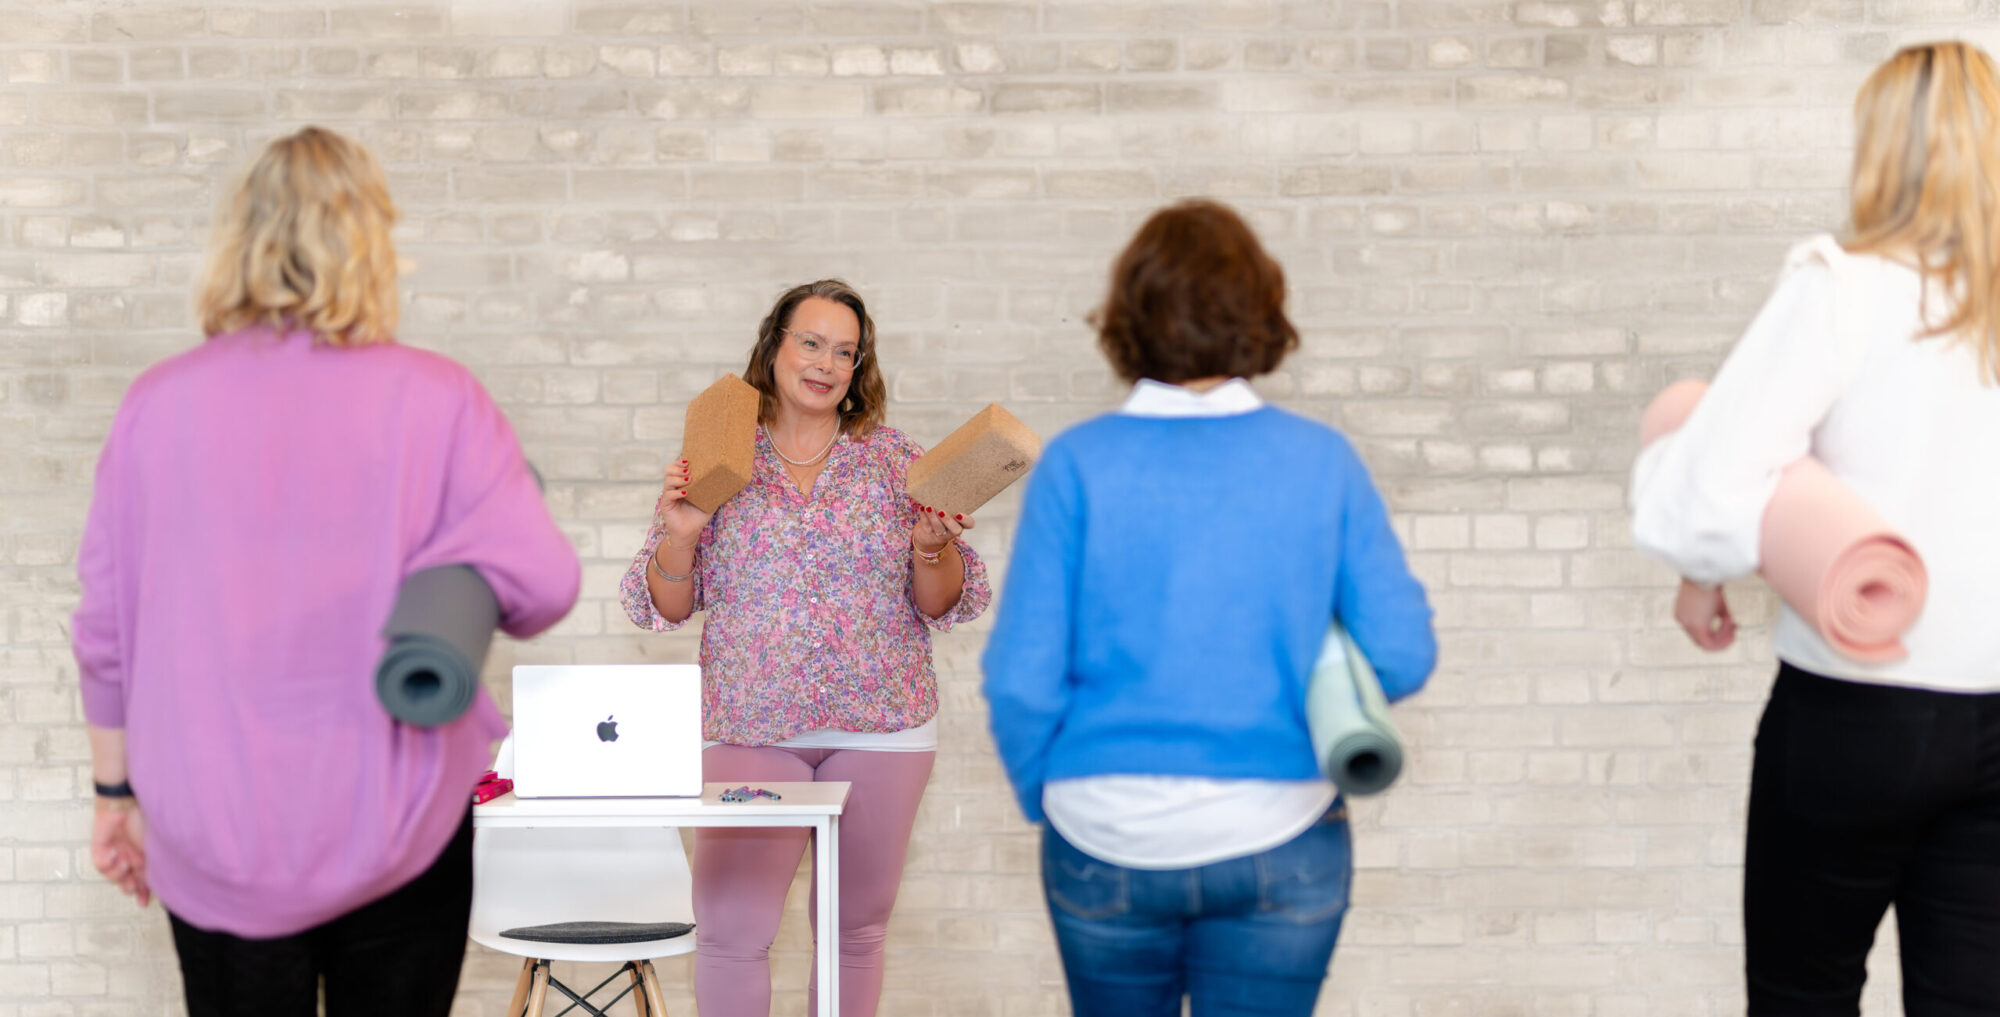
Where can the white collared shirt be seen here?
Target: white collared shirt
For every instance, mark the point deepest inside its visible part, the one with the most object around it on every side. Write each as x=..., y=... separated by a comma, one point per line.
x=1145, y=821
x=1151, y=398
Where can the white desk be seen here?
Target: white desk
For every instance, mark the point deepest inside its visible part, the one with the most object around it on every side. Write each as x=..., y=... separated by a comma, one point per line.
x=814, y=804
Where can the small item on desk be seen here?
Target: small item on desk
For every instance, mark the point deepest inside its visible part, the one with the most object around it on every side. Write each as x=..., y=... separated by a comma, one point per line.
x=746, y=792
x=491, y=786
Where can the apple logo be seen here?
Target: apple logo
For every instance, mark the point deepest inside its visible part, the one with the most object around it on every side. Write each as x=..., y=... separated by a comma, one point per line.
x=607, y=730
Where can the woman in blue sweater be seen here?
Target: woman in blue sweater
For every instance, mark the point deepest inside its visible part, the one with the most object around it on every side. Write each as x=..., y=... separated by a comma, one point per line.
x=1147, y=673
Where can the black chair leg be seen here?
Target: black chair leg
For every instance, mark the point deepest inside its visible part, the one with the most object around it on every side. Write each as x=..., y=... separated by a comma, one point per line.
x=629, y=968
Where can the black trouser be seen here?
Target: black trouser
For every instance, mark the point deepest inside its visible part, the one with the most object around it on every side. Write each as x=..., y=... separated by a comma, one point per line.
x=1863, y=796
x=399, y=954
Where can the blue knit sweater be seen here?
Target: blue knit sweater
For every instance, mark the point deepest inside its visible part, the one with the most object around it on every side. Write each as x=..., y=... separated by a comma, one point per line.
x=1171, y=582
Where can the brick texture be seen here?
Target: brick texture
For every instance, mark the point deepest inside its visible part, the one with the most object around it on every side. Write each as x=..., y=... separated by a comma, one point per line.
x=1505, y=224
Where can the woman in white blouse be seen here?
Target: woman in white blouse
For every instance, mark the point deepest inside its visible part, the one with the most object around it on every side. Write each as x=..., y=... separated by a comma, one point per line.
x=1873, y=784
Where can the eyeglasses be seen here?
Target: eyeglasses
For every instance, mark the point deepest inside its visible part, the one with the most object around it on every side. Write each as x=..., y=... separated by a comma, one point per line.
x=845, y=357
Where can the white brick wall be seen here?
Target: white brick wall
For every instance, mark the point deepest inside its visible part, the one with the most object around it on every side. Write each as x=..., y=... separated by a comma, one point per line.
x=1506, y=224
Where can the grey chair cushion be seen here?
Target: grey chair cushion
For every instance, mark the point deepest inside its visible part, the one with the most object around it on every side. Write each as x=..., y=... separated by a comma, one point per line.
x=594, y=933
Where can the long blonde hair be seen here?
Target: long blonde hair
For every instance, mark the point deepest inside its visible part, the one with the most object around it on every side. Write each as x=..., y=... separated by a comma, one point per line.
x=303, y=242
x=1927, y=181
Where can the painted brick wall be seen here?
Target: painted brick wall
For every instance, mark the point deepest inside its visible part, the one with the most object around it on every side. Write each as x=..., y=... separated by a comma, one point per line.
x=1505, y=223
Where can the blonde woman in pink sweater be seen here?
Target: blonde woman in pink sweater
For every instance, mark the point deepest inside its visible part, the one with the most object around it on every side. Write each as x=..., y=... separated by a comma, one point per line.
x=258, y=503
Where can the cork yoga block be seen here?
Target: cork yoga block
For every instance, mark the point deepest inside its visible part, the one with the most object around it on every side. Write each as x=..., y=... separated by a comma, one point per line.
x=976, y=462
x=720, y=442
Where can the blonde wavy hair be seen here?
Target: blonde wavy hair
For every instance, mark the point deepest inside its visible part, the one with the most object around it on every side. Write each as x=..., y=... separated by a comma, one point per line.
x=303, y=243
x=1927, y=181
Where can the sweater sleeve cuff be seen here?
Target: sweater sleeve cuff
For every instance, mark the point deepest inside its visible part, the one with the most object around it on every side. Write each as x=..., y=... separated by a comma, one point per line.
x=103, y=704
x=637, y=598
x=975, y=592
x=1031, y=804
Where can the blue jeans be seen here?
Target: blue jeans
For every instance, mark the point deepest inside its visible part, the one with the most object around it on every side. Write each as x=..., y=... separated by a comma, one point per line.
x=1248, y=935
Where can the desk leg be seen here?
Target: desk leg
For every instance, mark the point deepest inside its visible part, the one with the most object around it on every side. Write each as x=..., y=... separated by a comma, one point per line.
x=833, y=866
x=826, y=948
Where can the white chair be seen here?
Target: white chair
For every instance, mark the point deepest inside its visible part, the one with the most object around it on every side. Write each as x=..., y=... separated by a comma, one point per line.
x=634, y=879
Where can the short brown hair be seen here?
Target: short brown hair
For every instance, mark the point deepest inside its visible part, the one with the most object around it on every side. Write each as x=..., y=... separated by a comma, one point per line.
x=867, y=401
x=1195, y=296
x=303, y=242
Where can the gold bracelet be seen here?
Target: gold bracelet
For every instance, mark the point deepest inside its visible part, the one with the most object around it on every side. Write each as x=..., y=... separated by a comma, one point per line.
x=933, y=558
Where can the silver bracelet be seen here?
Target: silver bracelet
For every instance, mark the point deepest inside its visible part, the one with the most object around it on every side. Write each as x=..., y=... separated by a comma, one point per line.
x=654, y=560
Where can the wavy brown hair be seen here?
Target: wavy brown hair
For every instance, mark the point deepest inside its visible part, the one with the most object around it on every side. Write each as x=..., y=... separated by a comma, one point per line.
x=1927, y=181
x=303, y=242
x=867, y=401
x=1195, y=296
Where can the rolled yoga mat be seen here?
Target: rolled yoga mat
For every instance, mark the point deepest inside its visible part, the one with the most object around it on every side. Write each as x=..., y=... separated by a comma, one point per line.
x=438, y=635
x=1348, y=718
x=1828, y=555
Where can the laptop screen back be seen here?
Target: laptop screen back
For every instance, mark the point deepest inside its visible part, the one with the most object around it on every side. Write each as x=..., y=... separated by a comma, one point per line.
x=607, y=730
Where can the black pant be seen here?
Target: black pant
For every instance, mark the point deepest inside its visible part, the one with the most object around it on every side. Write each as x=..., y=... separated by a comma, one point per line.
x=1862, y=796
x=399, y=954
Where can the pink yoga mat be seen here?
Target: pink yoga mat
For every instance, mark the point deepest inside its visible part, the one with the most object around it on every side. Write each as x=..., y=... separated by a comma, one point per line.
x=1825, y=552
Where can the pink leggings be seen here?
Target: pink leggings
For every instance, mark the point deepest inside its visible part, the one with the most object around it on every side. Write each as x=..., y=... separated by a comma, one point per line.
x=741, y=875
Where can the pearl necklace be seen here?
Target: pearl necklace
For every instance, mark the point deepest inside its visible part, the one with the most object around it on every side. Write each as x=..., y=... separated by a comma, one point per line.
x=809, y=460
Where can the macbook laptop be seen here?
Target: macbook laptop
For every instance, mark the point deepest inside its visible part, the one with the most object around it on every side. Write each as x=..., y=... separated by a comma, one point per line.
x=607, y=731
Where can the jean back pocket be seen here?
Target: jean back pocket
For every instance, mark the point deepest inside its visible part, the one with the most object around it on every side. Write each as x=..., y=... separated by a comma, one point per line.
x=1080, y=885
x=1306, y=879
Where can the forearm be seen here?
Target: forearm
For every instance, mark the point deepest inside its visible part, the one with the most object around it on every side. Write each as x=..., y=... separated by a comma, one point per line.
x=673, y=599
x=938, y=587
x=107, y=755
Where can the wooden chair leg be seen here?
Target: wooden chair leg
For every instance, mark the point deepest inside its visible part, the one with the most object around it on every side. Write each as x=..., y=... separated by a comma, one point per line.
x=540, y=990
x=638, y=990
x=651, y=980
x=521, y=987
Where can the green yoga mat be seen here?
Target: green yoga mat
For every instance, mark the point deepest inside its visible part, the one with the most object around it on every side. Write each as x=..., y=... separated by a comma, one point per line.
x=1357, y=746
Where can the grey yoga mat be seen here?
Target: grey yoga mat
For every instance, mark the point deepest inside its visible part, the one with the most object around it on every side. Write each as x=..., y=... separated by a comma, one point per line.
x=438, y=635
x=1348, y=717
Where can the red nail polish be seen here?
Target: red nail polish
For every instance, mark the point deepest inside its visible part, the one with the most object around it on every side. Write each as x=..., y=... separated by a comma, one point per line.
x=959, y=518
x=940, y=513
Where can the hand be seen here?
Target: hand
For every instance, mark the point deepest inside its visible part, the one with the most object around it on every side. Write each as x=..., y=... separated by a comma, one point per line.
x=1704, y=615
x=934, y=531
x=118, y=847
x=681, y=519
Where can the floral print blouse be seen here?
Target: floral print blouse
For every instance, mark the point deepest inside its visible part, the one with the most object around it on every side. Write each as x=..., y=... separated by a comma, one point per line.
x=811, y=619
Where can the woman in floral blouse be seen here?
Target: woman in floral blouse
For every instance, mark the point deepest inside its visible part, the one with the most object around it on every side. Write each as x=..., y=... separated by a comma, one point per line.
x=821, y=581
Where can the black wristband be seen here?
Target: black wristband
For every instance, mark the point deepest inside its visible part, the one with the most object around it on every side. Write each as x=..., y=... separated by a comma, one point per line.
x=122, y=789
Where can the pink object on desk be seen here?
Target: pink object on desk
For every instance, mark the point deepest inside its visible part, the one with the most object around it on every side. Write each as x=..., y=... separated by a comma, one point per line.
x=1827, y=554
